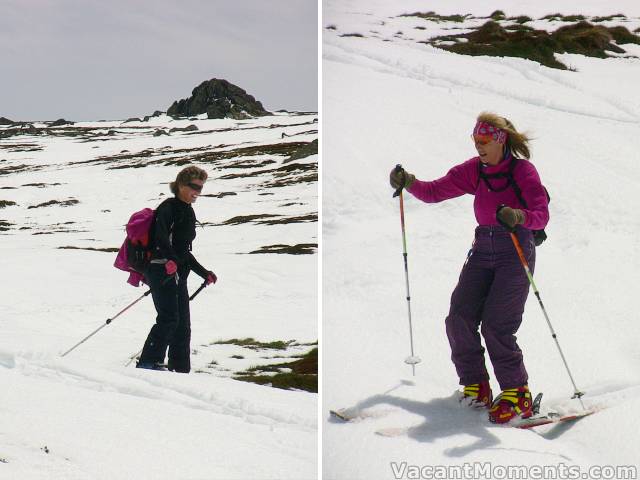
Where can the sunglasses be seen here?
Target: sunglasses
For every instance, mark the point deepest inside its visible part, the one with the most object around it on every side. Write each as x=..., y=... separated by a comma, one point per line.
x=482, y=139
x=195, y=186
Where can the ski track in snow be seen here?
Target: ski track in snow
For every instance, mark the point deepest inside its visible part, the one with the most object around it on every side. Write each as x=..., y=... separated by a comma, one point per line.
x=155, y=386
x=537, y=78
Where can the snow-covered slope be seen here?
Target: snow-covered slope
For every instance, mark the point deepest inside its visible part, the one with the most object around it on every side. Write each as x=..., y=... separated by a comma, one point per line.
x=389, y=100
x=87, y=415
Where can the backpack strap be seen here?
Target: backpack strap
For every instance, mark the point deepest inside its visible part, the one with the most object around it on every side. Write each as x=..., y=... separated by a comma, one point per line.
x=511, y=182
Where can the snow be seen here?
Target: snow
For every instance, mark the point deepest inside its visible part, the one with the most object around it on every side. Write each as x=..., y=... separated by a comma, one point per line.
x=389, y=100
x=87, y=415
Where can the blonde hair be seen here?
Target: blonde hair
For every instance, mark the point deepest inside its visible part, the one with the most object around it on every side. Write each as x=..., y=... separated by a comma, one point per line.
x=517, y=142
x=186, y=175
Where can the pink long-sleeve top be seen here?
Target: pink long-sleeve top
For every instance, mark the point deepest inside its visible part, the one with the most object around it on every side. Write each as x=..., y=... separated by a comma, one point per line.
x=465, y=178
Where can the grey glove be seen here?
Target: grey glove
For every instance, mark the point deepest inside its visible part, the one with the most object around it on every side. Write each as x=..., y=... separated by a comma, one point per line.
x=401, y=178
x=510, y=217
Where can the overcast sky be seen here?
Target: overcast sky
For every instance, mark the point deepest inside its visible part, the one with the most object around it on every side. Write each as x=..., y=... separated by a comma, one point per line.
x=114, y=59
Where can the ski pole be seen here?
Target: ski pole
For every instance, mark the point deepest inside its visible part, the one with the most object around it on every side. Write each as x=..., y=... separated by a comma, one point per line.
x=204, y=284
x=133, y=357
x=413, y=359
x=109, y=320
x=576, y=392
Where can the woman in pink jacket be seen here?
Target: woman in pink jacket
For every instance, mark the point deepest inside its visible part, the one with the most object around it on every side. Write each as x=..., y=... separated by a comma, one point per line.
x=493, y=286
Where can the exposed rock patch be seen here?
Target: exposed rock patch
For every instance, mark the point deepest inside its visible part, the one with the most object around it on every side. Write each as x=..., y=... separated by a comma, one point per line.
x=62, y=203
x=60, y=122
x=522, y=41
x=219, y=195
x=108, y=249
x=299, y=249
x=190, y=128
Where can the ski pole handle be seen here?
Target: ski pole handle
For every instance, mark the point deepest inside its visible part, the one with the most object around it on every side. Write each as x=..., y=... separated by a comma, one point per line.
x=398, y=169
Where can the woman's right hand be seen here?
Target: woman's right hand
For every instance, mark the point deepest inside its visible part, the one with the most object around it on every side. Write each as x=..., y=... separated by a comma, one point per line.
x=400, y=178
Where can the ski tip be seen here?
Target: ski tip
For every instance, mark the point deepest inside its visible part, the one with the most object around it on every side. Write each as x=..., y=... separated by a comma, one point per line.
x=342, y=414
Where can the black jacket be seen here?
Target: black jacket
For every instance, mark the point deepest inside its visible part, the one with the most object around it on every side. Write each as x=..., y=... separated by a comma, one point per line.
x=172, y=232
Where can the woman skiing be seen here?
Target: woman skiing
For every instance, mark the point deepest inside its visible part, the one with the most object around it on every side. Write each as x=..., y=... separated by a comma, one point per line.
x=493, y=287
x=172, y=232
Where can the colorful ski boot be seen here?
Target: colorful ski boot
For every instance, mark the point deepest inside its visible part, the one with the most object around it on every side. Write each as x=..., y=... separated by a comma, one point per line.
x=477, y=395
x=511, y=403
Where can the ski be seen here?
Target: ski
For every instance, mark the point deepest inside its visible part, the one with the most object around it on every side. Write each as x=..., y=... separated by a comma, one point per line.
x=344, y=414
x=551, y=417
x=353, y=414
x=392, y=431
x=537, y=419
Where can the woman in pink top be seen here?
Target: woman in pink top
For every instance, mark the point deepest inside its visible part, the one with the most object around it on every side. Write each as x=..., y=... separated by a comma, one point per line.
x=493, y=287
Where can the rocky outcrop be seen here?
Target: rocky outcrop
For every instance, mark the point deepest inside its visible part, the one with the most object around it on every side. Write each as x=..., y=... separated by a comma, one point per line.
x=157, y=113
x=218, y=99
x=60, y=122
x=5, y=121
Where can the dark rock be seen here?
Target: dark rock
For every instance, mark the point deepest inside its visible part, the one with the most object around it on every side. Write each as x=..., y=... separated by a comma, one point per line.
x=299, y=249
x=28, y=129
x=190, y=128
x=160, y=132
x=5, y=121
x=111, y=133
x=157, y=113
x=305, y=150
x=62, y=203
x=132, y=119
x=60, y=122
x=218, y=99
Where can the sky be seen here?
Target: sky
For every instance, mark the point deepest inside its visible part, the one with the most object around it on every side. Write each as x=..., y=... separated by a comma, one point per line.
x=92, y=60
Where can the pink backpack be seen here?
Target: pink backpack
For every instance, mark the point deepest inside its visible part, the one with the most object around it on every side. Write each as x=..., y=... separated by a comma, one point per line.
x=135, y=252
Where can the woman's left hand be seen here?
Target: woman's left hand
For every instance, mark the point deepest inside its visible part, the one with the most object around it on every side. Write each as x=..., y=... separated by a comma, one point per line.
x=211, y=278
x=510, y=217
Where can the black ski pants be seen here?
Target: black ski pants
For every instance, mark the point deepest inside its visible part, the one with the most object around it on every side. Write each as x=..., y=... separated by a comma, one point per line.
x=173, y=324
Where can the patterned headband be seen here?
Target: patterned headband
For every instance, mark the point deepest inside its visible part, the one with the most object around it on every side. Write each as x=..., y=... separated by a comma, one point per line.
x=484, y=128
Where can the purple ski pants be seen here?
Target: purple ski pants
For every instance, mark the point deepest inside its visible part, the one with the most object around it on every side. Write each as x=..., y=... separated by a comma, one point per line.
x=490, y=297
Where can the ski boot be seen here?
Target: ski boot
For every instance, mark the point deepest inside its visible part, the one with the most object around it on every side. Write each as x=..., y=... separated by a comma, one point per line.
x=477, y=395
x=511, y=403
x=151, y=366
